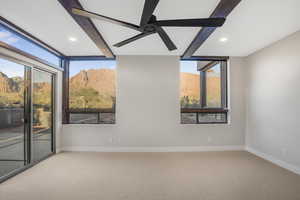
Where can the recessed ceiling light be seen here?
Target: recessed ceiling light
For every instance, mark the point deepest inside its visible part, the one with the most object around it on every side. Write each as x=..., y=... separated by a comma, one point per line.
x=72, y=39
x=223, y=39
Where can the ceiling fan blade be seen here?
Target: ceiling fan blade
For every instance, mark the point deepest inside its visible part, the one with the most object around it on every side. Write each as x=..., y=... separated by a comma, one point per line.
x=166, y=39
x=85, y=13
x=148, y=10
x=206, y=22
x=131, y=39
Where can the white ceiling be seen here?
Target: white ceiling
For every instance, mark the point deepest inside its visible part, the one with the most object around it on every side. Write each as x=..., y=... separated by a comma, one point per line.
x=253, y=25
x=131, y=11
x=48, y=21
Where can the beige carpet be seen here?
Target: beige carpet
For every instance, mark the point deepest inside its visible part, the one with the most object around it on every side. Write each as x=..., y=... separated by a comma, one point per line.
x=153, y=176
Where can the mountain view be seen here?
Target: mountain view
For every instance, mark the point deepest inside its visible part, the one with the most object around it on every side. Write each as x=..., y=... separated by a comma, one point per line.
x=11, y=91
x=190, y=90
x=12, y=99
x=93, y=89
x=96, y=88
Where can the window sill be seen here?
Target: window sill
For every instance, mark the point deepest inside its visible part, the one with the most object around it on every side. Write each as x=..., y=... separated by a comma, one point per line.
x=90, y=125
x=204, y=110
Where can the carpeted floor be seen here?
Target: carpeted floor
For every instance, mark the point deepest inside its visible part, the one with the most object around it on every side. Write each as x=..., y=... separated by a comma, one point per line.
x=153, y=176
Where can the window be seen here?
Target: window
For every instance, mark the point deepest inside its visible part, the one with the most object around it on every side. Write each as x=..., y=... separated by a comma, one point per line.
x=19, y=41
x=92, y=92
x=213, y=86
x=203, y=92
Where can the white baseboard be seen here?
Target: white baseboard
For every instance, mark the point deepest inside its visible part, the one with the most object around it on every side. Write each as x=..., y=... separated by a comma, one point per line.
x=153, y=149
x=274, y=160
x=58, y=150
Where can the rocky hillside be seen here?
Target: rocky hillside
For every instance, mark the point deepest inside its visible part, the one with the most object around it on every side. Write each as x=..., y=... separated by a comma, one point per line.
x=8, y=84
x=11, y=90
x=93, y=89
x=189, y=85
x=101, y=80
x=96, y=88
x=104, y=81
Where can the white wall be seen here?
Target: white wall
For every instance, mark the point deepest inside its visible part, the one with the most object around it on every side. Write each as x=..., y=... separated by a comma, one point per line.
x=148, y=111
x=273, y=101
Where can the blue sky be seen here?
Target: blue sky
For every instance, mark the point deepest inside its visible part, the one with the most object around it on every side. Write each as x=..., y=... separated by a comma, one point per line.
x=16, y=41
x=11, y=69
x=189, y=66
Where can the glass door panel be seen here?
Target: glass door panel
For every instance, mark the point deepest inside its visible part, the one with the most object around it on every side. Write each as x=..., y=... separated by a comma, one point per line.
x=42, y=116
x=12, y=127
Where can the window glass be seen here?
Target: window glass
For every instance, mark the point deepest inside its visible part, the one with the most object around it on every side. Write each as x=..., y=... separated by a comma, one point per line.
x=213, y=87
x=92, y=91
x=12, y=125
x=42, y=114
x=189, y=85
x=202, y=92
x=18, y=41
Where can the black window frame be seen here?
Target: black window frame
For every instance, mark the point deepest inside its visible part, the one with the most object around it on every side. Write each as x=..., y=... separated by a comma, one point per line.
x=65, y=102
x=31, y=39
x=213, y=61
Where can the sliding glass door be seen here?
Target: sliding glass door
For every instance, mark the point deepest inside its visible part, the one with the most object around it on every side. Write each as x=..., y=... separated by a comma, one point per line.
x=42, y=106
x=26, y=116
x=12, y=116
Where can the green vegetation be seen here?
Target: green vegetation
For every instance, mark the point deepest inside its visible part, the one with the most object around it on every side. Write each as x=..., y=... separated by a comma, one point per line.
x=190, y=91
x=11, y=99
x=192, y=102
x=89, y=98
x=12, y=96
x=42, y=94
x=189, y=102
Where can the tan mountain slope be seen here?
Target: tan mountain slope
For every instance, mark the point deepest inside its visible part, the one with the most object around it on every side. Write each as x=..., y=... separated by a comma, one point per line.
x=102, y=80
x=6, y=84
x=189, y=85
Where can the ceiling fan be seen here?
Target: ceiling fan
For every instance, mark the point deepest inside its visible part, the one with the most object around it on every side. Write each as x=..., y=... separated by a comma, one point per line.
x=150, y=25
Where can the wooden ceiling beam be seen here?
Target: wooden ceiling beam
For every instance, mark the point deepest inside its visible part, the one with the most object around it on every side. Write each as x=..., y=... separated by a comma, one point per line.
x=223, y=9
x=88, y=27
x=207, y=58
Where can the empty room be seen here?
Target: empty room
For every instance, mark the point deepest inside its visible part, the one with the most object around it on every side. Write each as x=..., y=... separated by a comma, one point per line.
x=149, y=100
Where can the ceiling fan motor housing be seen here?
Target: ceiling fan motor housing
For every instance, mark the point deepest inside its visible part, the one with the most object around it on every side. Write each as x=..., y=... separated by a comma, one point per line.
x=149, y=28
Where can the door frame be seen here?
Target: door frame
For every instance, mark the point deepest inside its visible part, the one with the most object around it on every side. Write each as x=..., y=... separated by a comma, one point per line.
x=53, y=109
x=28, y=68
